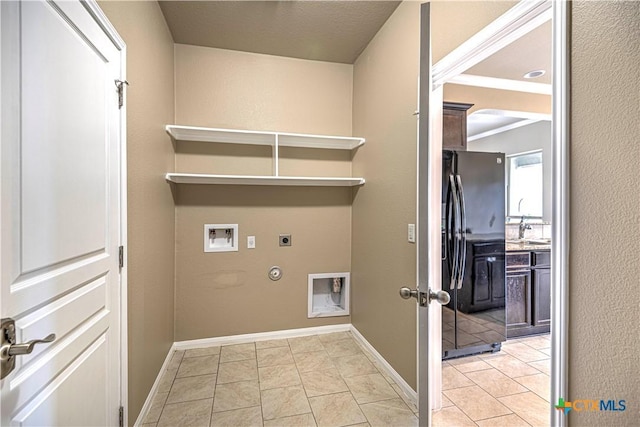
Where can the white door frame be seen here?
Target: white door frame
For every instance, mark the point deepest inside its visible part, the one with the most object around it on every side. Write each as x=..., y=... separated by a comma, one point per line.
x=516, y=22
x=94, y=10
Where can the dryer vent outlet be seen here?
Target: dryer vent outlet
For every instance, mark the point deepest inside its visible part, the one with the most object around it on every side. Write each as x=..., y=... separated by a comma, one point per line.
x=285, y=240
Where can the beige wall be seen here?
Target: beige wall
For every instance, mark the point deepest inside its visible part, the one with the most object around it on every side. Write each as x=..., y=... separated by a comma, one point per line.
x=150, y=213
x=219, y=294
x=385, y=97
x=604, y=337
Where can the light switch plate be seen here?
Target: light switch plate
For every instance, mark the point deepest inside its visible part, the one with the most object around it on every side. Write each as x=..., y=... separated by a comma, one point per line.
x=411, y=233
x=251, y=242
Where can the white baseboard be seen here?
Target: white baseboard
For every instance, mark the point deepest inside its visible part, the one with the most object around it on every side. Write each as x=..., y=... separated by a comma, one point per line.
x=261, y=336
x=409, y=392
x=154, y=388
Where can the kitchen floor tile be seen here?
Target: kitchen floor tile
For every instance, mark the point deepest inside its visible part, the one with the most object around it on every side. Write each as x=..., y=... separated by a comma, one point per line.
x=495, y=383
x=523, y=352
x=452, y=378
x=543, y=366
x=334, y=336
x=540, y=384
x=511, y=420
x=469, y=364
x=511, y=366
x=336, y=410
x=476, y=403
x=451, y=416
x=528, y=406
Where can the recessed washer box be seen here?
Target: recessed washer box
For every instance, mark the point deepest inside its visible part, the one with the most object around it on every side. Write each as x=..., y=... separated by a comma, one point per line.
x=221, y=237
x=328, y=295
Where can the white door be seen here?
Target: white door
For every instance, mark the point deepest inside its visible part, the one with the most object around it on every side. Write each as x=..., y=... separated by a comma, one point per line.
x=429, y=234
x=61, y=213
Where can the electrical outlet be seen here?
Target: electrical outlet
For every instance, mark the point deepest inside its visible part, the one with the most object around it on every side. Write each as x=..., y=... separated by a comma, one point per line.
x=285, y=240
x=411, y=233
x=251, y=242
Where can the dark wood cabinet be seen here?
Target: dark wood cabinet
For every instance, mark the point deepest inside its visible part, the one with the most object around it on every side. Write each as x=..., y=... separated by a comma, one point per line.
x=542, y=296
x=518, y=299
x=528, y=293
x=454, y=125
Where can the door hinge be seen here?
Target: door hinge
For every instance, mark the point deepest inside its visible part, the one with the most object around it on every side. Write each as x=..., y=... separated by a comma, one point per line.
x=120, y=87
x=121, y=416
x=121, y=256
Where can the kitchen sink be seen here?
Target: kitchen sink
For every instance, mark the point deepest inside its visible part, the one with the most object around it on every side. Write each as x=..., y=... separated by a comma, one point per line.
x=531, y=241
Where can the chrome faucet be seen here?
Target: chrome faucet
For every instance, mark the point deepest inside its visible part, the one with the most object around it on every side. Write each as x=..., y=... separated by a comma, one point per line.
x=522, y=228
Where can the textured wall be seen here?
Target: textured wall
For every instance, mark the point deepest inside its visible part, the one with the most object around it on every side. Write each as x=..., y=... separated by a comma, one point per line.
x=385, y=97
x=604, y=337
x=150, y=213
x=219, y=294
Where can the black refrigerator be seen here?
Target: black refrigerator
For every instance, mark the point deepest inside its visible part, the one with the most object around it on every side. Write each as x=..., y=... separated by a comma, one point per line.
x=473, y=252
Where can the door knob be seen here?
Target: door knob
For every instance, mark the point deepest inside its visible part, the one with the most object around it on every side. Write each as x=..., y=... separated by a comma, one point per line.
x=27, y=348
x=9, y=349
x=406, y=293
x=440, y=296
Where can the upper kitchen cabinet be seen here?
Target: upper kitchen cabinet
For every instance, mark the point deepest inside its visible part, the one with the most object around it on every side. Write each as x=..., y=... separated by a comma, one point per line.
x=454, y=125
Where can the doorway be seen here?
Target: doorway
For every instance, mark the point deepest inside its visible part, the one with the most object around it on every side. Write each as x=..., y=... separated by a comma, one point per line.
x=447, y=70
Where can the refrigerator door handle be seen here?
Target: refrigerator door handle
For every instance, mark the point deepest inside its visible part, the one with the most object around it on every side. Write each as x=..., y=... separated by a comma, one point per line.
x=463, y=233
x=455, y=236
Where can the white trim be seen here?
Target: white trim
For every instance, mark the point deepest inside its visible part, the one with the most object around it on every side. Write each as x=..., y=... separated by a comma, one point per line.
x=409, y=392
x=505, y=128
x=260, y=336
x=515, y=23
x=501, y=84
x=101, y=19
x=154, y=389
x=560, y=226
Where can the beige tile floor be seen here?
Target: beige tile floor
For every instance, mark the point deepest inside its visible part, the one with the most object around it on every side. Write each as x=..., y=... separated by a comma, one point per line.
x=325, y=380
x=509, y=388
x=330, y=380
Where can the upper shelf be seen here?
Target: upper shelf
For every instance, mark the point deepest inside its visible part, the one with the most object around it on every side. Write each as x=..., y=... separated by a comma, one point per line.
x=301, y=181
x=233, y=136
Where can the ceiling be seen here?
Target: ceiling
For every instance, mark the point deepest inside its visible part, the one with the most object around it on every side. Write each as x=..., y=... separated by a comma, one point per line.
x=530, y=52
x=333, y=31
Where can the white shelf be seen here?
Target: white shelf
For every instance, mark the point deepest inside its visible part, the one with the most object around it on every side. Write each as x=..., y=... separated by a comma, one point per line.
x=283, y=139
x=301, y=181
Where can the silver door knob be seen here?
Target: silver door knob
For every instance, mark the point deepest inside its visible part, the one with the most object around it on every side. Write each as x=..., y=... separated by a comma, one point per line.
x=406, y=293
x=27, y=348
x=441, y=296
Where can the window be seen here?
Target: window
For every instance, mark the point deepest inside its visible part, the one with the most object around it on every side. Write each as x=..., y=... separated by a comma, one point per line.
x=524, y=191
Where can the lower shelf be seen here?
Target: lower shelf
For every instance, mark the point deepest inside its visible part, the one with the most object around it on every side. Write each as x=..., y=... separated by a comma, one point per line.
x=301, y=181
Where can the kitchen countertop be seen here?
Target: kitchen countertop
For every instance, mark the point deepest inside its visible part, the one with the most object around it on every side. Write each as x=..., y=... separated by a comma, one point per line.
x=526, y=247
